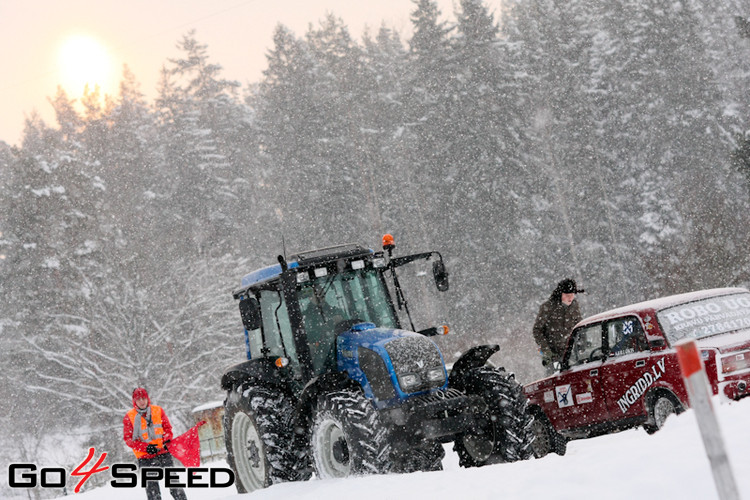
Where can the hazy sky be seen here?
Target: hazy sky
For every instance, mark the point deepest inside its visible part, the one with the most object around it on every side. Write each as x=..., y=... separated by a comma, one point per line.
x=37, y=53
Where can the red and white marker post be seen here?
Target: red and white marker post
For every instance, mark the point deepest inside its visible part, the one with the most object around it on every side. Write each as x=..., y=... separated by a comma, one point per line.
x=694, y=374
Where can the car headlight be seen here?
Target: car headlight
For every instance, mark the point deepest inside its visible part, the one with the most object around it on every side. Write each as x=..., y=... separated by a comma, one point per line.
x=436, y=374
x=408, y=380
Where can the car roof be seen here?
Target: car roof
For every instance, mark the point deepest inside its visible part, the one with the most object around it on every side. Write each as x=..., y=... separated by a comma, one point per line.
x=661, y=303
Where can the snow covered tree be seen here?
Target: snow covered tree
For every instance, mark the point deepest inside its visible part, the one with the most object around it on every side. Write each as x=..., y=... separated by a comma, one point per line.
x=200, y=128
x=173, y=337
x=741, y=156
x=603, y=140
x=416, y=143
x=623, y=116
x=675, y=111
x=554, y=49
x=53, y=233
x=381, y=118
x=312, y=129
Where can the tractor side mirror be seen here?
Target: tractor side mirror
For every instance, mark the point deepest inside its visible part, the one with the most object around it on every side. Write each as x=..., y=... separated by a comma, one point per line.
x=250, y=313
x=441, y=275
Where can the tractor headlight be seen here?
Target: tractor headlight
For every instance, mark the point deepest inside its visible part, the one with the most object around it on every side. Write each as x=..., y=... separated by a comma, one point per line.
x=408, y=381
x=436, y=375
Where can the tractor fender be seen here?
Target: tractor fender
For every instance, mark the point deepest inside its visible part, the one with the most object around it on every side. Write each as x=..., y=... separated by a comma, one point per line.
x=261, y=372
x=473, y=358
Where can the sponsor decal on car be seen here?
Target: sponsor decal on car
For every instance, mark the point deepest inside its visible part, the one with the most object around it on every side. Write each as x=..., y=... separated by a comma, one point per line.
x=584, y=398
x=549, y=396
x=564, y=396
x=710, y=318
x=649, y=326
x=638, y=389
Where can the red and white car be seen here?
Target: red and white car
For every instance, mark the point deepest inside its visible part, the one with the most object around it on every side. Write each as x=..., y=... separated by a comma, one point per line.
x=620, y=369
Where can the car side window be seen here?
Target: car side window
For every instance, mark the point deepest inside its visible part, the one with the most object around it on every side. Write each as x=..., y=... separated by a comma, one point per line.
x=586, y=345
x=625, y=336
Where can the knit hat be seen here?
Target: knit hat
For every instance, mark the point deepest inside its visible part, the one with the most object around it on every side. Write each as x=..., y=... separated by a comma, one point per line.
x=140, y=392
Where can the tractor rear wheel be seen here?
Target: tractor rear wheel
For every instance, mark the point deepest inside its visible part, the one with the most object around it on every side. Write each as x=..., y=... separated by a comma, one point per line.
x=258, y=439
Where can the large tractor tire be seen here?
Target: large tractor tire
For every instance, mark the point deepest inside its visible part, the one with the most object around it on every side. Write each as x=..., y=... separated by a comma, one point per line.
x=424, y=458
x=504, y=434
x=348, y=437
x=258, y=438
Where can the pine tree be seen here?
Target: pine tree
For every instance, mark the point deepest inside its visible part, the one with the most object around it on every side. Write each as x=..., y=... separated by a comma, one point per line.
x=380, y=99
x=199, y=123
x=741, y=156
x=55, y=216
x=426, y=123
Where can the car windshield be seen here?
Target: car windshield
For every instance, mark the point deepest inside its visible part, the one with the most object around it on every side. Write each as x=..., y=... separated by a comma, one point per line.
x=706, y=317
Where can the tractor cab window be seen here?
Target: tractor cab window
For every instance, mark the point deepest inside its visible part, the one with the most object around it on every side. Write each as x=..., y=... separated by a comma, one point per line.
x=276, y=327
x=332, y=304
x=254, y=344
x=625, y=336
x=370, y=294
x=321, y=312
x=586, y=345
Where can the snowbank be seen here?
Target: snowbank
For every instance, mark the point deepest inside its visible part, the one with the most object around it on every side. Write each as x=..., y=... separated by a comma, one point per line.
x=670, y=464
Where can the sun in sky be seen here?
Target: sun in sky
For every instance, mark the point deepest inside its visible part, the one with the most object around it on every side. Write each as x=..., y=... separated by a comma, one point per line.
x=84, y=60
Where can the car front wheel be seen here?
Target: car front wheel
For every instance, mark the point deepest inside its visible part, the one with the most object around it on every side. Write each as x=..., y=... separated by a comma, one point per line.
x=546, y=439
x=661, y=408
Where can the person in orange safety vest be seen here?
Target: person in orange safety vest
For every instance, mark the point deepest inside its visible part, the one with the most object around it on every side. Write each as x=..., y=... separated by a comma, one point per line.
x=146, y=429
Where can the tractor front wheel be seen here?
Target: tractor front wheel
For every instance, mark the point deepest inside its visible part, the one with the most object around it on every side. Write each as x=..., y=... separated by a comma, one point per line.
x=348, y=437
x=504, y=433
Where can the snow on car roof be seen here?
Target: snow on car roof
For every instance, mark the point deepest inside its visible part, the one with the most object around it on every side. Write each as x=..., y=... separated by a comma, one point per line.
x=662, y=303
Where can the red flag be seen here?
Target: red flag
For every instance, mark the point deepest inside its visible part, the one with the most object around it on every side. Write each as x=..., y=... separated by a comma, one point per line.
x=187, y=447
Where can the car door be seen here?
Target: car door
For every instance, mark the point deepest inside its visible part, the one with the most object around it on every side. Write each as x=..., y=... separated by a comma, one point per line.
x=630, y=368
x=578, y=394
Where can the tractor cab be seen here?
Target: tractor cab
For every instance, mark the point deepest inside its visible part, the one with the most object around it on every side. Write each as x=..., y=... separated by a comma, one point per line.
x=296, y=309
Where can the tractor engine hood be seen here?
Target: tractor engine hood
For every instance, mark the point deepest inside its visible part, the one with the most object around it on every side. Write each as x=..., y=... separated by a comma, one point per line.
x=390, y=364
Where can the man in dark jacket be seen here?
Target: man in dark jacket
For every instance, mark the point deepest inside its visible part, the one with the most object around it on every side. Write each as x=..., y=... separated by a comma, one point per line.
x=556, y=318
x=147, y=430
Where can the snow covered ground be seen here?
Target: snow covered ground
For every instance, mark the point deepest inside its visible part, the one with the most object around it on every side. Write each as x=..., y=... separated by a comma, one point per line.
x=670, y=464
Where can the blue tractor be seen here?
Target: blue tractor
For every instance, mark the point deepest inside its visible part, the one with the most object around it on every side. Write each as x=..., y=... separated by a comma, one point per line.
x=335, y=385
